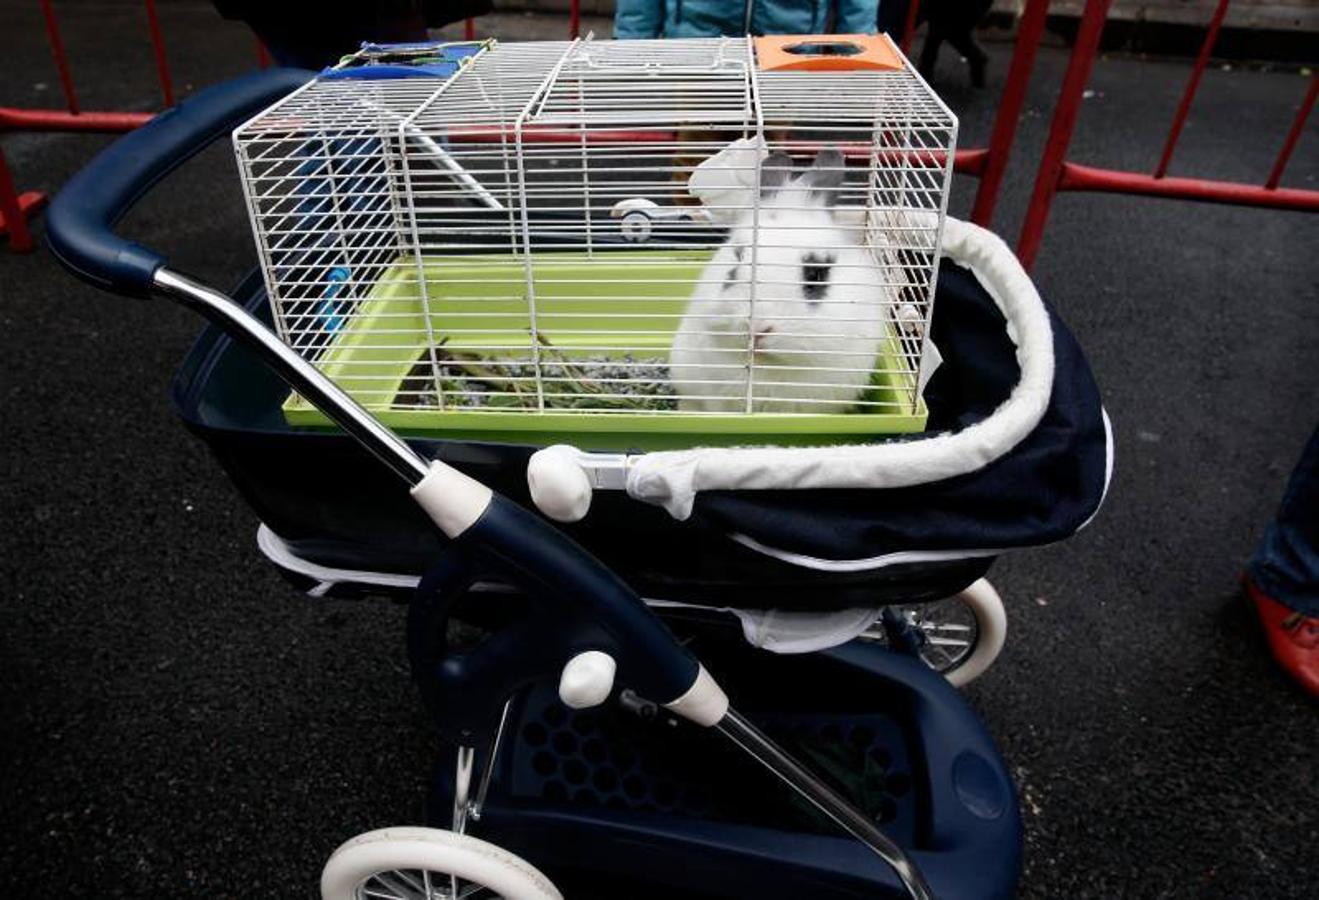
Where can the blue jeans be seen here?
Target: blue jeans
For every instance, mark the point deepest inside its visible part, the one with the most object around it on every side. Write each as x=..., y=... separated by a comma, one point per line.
x=1286, y=563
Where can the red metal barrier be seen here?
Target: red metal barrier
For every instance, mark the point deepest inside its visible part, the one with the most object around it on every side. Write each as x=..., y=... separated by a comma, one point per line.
x=990, y=162
x=1193, y=85
x=1029, y=31
x=61, y=58
x=909, y=26
x=58, y=120
x=158, y=48
x=1293, y=135
x=15, y=208
x=987, y=163
x=1058, y=173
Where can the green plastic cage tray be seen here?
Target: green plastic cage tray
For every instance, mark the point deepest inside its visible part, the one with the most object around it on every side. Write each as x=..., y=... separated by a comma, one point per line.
x=375, y=351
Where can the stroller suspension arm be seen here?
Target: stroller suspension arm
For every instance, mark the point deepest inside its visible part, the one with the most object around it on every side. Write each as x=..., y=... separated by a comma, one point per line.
x=300, y=374
x=826, y=799
x=454, y=501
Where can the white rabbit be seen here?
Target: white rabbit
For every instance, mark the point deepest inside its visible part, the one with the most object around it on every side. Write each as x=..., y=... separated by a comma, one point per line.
x=809, y=338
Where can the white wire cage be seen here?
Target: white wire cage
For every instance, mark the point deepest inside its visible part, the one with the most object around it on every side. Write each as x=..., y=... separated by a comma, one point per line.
x=689, y=235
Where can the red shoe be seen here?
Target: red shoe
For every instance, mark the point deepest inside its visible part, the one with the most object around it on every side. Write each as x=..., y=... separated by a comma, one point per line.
x=1293, y=638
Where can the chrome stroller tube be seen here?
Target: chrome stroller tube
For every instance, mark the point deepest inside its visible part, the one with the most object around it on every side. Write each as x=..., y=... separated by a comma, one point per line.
x=824, y=798
x=301, y=375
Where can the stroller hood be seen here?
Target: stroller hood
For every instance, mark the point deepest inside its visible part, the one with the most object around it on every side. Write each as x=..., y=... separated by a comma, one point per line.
x=1021, y=453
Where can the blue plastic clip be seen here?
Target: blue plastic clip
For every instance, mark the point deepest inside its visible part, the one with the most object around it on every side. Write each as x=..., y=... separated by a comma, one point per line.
x=327, y=311
x=447, y=59
x=386, y=72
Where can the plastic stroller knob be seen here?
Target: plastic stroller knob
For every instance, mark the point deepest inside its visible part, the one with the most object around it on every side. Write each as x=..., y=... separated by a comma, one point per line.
x=587, y=680
x=559, y=487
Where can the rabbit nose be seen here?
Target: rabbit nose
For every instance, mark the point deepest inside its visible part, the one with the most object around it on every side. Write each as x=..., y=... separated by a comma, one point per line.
x=760, y=332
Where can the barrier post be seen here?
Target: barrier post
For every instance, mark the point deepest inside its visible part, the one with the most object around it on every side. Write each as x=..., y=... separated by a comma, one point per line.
x=909, y=26
x=1294, y=135
x=1061, y=128
x=14, y=210
x=61, y=58
x=1029, y=31
x=158, y=48
x=1192, y=86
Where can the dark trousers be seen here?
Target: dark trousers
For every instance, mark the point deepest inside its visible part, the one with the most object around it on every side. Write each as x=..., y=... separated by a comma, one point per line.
x=950, y=21
x=1286, y=563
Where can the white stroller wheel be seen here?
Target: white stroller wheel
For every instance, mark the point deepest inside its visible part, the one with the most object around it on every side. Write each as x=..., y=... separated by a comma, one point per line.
x=990, y=620
x=636, y=227
x=429, y=864
x=963, y=634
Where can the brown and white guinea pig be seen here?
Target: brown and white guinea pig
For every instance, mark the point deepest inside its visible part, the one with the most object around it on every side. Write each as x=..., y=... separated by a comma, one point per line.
x=809, y=335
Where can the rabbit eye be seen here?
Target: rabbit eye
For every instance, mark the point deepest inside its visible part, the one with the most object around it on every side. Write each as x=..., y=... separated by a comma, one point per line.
x=731, y=278
x=815, y=278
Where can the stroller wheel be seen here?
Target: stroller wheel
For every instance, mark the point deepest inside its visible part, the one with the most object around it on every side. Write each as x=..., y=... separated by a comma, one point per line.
x=429, y=864
x=960, y=636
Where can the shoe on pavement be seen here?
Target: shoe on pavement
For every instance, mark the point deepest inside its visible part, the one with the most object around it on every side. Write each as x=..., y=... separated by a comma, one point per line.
x=1293, y=638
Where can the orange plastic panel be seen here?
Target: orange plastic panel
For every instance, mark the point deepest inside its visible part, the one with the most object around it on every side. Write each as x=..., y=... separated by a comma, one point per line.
x=826, y=53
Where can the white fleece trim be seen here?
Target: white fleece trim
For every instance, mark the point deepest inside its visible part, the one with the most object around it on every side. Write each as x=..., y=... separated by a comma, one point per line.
x=918, y=556
x=672, y=478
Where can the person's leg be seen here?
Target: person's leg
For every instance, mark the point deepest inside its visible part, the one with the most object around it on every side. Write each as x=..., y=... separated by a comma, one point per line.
x=298, y=34
x=964, y=42
x=892, y=18
x=1286, y=564
x=1282, y=578
x=930, y=51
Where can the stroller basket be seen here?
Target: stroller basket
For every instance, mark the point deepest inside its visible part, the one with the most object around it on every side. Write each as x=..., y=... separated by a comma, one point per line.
x=686, y=805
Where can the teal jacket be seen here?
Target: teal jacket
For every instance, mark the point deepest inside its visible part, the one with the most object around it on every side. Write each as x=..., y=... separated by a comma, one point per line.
x=713, y=18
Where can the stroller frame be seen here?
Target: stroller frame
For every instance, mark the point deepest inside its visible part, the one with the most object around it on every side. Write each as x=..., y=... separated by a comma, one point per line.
x=461, y=506
x=80, y=235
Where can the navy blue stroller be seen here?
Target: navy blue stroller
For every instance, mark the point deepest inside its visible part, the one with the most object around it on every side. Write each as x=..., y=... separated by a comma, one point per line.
x=599, y=700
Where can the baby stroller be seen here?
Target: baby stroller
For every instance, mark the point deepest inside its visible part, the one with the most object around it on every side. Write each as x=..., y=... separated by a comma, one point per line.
x=588, y=730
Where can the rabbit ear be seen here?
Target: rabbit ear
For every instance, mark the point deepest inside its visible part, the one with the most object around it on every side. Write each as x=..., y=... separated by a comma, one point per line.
x=826, y=175
x=775, y=170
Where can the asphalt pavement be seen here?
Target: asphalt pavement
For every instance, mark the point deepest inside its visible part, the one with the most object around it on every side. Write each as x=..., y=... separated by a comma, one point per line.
x=177, y=721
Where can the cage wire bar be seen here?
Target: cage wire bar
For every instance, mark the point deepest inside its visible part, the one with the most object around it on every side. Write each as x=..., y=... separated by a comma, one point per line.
x=1058, y=173
x=521, y=237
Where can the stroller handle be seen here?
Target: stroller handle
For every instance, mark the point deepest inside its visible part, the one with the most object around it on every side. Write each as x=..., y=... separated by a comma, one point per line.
x=79, y=233
x=79, y=226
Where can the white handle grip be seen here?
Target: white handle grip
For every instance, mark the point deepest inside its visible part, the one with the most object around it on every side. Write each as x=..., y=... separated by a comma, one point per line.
x=587, y=679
